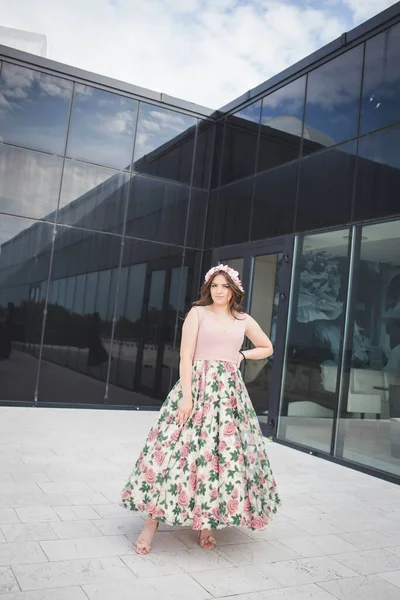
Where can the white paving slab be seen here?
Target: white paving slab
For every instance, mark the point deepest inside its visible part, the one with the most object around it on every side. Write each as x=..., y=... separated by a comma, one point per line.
x=32, y=500
x=65, y=530
x=37, y=514
x=70, y=593
x=191, y=560
x=392, y=577
x=321, y=545
x=251, y=596
x=35, y=477
x=19, y=553
x=301, y=592
x=63, y=535
x=169, y=587
x=258, y=553
x=89, y=547
x=235, y=580
x=72, y=572
x=8, y=583
x=76, y=513
x=369, y=562
x=370, y=587
x=120, y=526
x=310, y=570
x=87, y=499
x=71, y=487
x=8, y=515
x=28, y=532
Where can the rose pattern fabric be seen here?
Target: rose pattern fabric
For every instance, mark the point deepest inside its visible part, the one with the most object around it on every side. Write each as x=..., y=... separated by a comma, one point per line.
x=212, y=472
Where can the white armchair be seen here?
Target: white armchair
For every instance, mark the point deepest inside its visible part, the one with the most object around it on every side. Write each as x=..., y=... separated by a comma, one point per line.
x=363, y=396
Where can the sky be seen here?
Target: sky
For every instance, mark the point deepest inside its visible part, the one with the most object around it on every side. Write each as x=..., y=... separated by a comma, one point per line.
x=204, y=51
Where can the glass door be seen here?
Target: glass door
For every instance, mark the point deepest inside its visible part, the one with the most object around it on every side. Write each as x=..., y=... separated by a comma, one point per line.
x=265, y=271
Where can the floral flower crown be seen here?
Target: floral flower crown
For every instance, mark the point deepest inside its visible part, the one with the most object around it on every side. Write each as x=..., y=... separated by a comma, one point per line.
x=234, y=275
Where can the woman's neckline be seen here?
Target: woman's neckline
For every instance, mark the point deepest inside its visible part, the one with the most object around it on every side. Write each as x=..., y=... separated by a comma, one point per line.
x=214, y=316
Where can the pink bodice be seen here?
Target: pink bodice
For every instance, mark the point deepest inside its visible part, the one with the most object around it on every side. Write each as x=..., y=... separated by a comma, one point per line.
x=216, y=341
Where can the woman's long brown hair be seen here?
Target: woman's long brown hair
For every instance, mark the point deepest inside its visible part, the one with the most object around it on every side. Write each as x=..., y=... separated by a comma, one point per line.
x=235, y=303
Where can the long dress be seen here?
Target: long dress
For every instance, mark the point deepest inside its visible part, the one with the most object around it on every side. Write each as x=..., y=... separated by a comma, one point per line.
x=212, y=472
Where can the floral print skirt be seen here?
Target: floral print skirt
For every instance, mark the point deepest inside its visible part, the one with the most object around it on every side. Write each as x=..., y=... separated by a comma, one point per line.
x=212, y=472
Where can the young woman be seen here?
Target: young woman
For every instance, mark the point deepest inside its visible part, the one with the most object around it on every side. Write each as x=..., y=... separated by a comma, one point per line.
x=204, y=464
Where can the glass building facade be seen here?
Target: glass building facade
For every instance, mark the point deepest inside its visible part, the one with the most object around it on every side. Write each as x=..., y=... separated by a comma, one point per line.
x=114, y=201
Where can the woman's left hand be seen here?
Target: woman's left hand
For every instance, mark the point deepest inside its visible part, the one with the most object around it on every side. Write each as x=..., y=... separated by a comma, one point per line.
x=239, y=361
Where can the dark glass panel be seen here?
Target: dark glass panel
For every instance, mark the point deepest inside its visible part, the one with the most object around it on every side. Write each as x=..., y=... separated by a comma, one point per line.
x=79, y=321
x=211, y=220
x=310, y=382
x=145, y=326
x=93, y=197
x=34, y=108
x=264, y=295
x=197, y=218
x=204, y=154
x=164, y=143
x=30, y=182
x=240, y=144
x=25, y=249
x=102, y=127
x=378, y=175
x=281, y=125
x=333, y=100
x=127, y=330
x=381, y=86
x=326, y=188
x=157, y=210
x=217, y=154
x=190, y=284
x=369, y=423
x=233, y=213
x=274, y=202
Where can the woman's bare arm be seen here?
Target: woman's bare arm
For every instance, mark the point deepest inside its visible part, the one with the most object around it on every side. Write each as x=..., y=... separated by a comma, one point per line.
x=188, y=346
x=263, y=346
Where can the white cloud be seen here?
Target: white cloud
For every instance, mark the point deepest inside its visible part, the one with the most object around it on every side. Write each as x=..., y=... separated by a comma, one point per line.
x=364, y=9
x=205, y=51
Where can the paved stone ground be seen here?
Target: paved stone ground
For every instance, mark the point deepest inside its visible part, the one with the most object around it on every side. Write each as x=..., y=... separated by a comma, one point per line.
x=64, y=537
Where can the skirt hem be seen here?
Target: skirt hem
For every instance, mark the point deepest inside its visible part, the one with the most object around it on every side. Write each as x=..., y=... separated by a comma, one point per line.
x=189, y=522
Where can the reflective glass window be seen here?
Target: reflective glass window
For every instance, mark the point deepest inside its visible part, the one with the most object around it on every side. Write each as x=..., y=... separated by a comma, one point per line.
x=217, y=154
x=157, y=210
x=369, y=425
x=25, y=248
x=378, y=175
x=204, y=154
x=79, y=298
x=197, y=218
x=127, y=330
x=381, y=86
x=326, y=188
x=264, y=295
x=78, y=326
x=34, y=108
x=211, y=219
x=144, y=333
x=240, y=143
x=30, y=182
x=93, y=197
x=310, y=383
x=333, y=99
x=232, y=220
x=102, y=127
x=281, y=125
x=274, y=202
x=164, y=143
